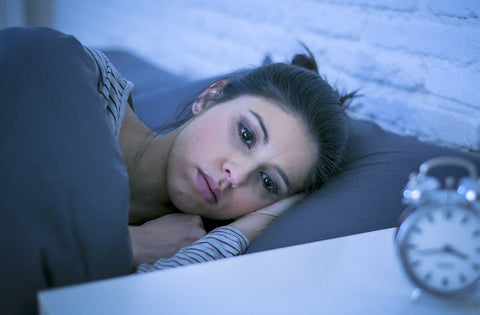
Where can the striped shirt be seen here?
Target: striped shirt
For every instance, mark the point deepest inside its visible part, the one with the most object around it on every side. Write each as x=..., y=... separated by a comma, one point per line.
x=114, y=89
x=223, y=242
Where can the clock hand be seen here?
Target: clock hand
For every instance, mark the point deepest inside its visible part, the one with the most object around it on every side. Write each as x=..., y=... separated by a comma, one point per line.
x=430, y=251
x=449, y=249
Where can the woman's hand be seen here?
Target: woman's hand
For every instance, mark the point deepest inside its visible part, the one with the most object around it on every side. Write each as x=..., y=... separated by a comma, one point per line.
x=164, y=236
x=252, y=224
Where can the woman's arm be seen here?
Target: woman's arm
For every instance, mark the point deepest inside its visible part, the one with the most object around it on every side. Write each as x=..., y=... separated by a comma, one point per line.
x=223, y=242
x=252, y=224
x=164, y=236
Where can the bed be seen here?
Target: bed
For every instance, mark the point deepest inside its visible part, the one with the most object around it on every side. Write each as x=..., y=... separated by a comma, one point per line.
x=65, y=206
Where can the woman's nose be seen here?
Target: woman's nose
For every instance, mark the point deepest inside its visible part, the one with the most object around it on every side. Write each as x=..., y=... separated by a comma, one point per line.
x=235, y=173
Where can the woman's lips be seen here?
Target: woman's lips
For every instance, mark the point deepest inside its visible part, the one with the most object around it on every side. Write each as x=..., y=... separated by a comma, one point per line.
x=208, y=187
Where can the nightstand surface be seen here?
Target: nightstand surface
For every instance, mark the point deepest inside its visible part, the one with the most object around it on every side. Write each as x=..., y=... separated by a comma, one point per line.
x=357, y=274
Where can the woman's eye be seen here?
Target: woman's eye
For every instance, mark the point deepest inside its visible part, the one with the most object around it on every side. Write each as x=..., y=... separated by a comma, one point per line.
x=247, y=136
x=269, y=183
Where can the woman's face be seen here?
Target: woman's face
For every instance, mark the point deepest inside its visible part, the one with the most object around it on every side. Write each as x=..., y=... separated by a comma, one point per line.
x=237, y=157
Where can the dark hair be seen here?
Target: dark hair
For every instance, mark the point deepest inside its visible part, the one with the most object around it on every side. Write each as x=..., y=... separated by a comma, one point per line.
x=299, y=89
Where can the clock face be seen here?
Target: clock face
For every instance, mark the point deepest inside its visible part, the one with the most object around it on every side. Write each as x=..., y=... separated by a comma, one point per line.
x=440, y=248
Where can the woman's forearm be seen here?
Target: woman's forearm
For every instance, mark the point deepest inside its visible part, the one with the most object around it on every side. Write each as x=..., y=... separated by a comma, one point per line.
x=223, y=242
x=252, y=224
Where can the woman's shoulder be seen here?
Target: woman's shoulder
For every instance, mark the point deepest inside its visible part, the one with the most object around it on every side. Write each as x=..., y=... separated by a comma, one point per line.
x=114, y=89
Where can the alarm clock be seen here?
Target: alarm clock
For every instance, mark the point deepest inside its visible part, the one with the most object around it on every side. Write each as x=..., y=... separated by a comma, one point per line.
x=438, y=236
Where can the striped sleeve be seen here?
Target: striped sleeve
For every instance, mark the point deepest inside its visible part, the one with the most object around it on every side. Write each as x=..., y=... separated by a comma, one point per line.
x=223, y=242
x=115, y=91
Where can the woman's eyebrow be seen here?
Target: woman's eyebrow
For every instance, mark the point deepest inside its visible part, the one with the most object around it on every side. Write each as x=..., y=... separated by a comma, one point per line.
x=262, y=125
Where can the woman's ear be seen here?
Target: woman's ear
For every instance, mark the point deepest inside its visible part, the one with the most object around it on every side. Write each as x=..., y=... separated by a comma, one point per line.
x=212, y=92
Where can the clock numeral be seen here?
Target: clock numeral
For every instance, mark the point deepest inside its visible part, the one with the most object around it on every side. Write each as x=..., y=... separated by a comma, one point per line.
x=415, y=263
x=428, y=276
x=465, y=219
x=462, y=278
x=445, y=282
x=430, y=217
x=448, y=215
x=411, y=246
x=416, y=229
x=475, y=267
x=476, y=233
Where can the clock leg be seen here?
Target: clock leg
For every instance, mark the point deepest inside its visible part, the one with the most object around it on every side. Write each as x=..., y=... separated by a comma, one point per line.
x=415, y=295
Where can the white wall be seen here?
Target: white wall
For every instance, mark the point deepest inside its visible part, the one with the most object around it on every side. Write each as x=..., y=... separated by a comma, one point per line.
x=417, y=62
x=11, y=13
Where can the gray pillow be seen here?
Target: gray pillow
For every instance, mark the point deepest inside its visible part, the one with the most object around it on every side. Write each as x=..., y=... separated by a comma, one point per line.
x=65, y=196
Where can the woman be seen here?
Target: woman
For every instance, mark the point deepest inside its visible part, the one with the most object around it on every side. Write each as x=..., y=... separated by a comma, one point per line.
x=77, y=165
x=256, y=141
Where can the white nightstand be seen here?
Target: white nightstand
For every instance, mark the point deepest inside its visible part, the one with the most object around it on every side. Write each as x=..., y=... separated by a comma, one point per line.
x=358, y=274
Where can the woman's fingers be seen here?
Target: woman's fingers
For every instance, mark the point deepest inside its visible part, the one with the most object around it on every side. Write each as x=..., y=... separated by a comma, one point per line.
x=279, y=207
